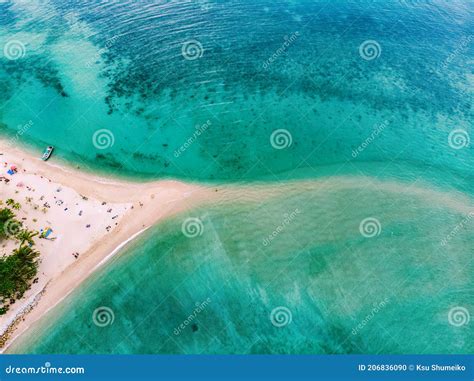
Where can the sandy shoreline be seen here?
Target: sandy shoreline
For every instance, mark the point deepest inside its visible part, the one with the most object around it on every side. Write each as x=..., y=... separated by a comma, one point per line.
x=144, y=204
x=91, y=232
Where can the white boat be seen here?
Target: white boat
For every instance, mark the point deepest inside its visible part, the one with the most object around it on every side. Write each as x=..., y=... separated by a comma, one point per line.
x=47, y=153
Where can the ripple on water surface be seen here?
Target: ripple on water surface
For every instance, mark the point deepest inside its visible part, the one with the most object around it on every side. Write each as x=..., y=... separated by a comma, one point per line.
x=332, y=269
x=154, y=74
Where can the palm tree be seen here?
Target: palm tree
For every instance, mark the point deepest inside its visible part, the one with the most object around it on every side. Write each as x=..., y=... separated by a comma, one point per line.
x=6, y=214
x=28, y=256
x=25, y=251
x=18, y=269
x=6, y=217
x=25, y=267
x=26, y=235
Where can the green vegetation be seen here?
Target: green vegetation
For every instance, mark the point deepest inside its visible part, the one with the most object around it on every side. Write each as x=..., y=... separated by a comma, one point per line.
x=7, y=222
x=17, y=269
x=14, y=205
x=26, y=236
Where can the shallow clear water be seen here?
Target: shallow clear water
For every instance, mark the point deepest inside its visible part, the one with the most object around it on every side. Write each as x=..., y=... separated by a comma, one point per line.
x=399, y=286
x=260, y=67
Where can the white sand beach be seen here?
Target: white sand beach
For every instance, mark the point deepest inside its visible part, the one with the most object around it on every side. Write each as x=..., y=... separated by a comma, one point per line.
x=93, y=217
x=90, y=218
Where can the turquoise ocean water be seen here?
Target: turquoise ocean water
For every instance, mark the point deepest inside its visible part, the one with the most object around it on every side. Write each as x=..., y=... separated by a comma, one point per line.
x=331, y=289
x=260, y=91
